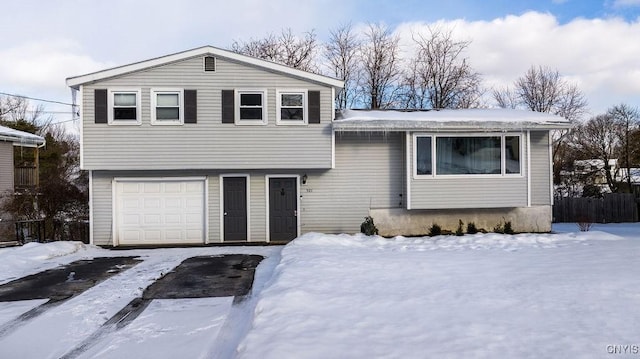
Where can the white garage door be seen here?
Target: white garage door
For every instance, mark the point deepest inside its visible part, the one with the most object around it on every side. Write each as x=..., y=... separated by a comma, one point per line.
x=160, y=211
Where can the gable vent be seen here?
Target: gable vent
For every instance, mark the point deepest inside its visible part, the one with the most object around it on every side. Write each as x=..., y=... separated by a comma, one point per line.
x=209, y=63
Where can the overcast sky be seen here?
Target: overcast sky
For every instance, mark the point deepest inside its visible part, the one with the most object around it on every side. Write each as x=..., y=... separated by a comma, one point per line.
x=595, y=43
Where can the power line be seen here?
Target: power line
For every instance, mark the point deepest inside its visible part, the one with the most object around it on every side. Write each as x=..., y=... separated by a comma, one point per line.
x=37, y=99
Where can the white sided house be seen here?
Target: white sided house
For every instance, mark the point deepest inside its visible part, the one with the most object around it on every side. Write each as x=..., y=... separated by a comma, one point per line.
x=209, y=146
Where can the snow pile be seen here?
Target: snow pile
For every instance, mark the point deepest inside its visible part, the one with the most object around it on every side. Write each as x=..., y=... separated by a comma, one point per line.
x=33, y=256
x=482, y=296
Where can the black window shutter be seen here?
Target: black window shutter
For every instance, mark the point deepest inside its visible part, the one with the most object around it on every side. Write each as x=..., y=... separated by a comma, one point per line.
x=228, y=109
x=314, y=106
x=190, y=106
x=100, y=105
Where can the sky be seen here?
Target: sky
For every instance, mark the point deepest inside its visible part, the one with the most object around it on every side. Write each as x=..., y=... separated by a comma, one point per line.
x=593, y=43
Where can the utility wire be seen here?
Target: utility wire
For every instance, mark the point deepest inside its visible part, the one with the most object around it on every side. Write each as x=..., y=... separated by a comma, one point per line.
x=37, y=99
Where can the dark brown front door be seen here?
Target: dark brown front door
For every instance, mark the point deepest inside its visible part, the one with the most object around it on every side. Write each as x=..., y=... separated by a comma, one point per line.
x=283, y=209
x=235, y=208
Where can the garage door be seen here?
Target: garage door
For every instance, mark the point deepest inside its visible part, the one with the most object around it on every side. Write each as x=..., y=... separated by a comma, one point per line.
x=160, y=211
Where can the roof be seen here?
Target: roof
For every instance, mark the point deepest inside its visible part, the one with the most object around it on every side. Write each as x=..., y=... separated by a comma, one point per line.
x=76, y=81
x=20, y=138
x=447, y=120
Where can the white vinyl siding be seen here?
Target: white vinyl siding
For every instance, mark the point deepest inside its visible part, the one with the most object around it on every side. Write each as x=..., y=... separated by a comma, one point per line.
x=209, y=144
x=540, y=168
x=369, y=173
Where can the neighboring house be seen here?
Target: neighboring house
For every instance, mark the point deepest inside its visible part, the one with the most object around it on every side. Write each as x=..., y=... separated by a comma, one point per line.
x=9, y=178
x=209, y=146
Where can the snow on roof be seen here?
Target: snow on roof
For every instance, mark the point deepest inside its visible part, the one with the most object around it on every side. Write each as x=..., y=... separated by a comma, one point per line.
x=20, y=138
x=467, y=119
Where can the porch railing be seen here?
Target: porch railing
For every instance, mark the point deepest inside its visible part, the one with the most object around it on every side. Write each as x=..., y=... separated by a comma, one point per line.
x=25, y=177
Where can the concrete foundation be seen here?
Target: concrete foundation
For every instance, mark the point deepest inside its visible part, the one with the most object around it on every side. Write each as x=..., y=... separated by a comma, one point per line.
x=398, y=221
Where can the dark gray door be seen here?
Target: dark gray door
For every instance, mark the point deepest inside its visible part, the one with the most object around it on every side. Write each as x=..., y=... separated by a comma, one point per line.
x=283, y=209
x=235, y=208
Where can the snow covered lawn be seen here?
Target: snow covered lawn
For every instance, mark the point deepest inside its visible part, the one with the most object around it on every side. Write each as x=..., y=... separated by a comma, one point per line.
x=563, y=295
x=568, y=295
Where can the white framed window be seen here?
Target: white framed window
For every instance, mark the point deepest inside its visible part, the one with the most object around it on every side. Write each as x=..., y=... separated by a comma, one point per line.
x=251, y=107
x=167, y=106
x=124, y=107
x=291, y=107
x=467, y=155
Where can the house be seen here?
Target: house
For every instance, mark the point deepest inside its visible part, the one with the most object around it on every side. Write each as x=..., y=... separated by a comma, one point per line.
x=12, y=178
x=209, y=146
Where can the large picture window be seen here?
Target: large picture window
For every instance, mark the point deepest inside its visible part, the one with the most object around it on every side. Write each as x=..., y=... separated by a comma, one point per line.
x=124, y=107
x=467, y=155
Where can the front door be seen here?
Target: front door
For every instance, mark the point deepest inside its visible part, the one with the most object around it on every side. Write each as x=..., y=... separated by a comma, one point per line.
x=283, y=209
x=235, y=208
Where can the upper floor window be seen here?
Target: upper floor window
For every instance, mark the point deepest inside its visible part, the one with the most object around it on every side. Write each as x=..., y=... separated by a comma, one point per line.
x=167, y=107
x=292, y=107
x=251, y=107
x=124, y=107
x=467, y=155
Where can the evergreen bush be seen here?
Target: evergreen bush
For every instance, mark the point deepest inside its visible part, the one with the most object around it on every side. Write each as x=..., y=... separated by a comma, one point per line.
x=368, y=227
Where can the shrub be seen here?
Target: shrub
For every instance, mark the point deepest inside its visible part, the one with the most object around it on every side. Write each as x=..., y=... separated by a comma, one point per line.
x=435, y=230
x=471, y=228
x=507, y=228
x=459, y=231
x=584, y=223
x=368, y=227
x=503, y=228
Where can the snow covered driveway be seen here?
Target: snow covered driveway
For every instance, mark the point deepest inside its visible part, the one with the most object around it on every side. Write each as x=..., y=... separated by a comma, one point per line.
x=568, y=295
x=167, y=328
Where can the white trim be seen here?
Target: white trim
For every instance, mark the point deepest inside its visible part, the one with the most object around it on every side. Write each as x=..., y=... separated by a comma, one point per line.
x=81, y=111
x=248, y=206
x=551, y=199
x=268, y=210
x=528, y=168
x=434, y=171
x=110, y=93
x=236, y=100
x=408, y=161
x=91, y=240
x=114, y=233
x=333, y=149
x=206, y=210
x=154, y=99
x=305, y=107
x=114, y=183
x=201, y=51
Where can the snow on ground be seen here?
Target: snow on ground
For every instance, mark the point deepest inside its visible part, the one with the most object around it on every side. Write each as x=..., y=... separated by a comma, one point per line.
x=564, y=295
x=63, y=327
x=569, y=294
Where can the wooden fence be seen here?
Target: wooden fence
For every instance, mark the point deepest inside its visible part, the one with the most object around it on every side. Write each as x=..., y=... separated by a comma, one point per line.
x=613, y=207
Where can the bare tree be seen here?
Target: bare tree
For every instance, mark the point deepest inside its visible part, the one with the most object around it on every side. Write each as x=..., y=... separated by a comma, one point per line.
x=285, y=48
x=341, y=54
x=505, y=97
x=627, y=119
x=598, y=138
x=542, y=89
x=381, y=67
x=439, y=76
